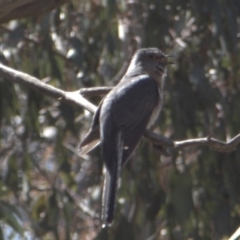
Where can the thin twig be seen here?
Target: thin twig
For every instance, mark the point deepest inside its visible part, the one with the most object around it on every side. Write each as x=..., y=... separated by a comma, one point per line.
x=213, y=143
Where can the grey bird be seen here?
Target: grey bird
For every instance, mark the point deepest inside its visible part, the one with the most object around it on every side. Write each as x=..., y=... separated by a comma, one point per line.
x=122, y=117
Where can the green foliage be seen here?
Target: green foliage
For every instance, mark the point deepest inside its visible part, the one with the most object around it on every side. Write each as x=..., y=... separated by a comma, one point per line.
x=193, y=194
x=11, y=215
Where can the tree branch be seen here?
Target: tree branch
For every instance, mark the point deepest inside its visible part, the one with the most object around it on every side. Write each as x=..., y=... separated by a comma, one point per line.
x=73, y=98
x=26, y=8
x=76, y=98
x=219, y=146
x=95, y=91
x=213, y=143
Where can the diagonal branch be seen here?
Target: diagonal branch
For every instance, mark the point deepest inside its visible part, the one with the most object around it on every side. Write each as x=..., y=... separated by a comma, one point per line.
x=77, y=98
x=73, y=98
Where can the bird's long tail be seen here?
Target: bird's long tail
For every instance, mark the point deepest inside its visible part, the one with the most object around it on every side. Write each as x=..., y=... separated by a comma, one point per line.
x=111, y=185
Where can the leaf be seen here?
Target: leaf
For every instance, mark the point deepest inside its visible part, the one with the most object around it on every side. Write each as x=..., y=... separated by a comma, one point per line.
x=11, y=216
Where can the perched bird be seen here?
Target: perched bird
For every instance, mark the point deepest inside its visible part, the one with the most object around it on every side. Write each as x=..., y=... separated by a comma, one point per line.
x=121, y=118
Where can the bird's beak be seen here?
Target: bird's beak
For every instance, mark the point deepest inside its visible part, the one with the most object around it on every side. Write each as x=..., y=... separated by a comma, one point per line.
x=169, y=62
x=164, y=60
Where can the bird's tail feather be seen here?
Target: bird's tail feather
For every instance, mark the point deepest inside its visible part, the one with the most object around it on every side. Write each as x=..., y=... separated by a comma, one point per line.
x=111, y=185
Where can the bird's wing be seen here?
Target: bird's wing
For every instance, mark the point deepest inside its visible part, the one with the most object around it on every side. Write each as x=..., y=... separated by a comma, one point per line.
x=90, y=142
x=134, y=101
x=92, y=139
x=124, y=116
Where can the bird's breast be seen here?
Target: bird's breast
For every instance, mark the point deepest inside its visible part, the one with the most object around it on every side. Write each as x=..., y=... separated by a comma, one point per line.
x=156, y=110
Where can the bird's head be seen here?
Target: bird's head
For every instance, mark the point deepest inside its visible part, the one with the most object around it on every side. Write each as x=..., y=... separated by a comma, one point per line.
x=149, y=60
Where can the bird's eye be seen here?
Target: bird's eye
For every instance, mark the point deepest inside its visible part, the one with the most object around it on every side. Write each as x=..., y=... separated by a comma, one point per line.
x=151, y=56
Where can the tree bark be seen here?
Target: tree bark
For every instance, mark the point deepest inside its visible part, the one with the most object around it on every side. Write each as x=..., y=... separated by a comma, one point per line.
x=10, y=10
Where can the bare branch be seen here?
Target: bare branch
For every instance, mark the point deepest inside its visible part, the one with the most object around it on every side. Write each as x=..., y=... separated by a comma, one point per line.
x=74, y=98
x=219, y=146
x=95, y=91
x=159, y=142
x=210, y=142
x=236, y=235
x=158, y=139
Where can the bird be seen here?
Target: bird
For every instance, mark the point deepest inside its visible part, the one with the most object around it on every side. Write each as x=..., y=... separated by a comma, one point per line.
x=130, y=108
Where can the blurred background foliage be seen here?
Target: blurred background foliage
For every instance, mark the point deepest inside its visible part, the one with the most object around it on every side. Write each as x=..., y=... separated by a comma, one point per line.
x=47, y=191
